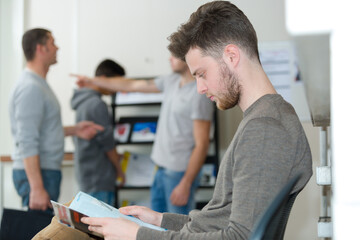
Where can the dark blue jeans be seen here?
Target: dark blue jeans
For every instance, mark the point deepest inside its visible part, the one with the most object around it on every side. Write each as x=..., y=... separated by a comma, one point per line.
x=51, y=180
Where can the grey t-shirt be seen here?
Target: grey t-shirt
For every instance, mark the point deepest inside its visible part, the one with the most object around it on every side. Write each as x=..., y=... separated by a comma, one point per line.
x=174, y=139
x=36, y=122
x=269, y=148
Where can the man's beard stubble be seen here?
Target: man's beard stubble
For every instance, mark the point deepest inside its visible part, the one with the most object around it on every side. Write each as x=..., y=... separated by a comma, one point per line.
x=231, y=96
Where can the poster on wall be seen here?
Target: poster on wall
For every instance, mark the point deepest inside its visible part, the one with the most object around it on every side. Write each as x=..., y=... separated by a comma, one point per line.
x=280, y=63
x=143, y=132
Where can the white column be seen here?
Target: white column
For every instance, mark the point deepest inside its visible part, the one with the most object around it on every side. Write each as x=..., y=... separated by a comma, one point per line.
x=345, y=117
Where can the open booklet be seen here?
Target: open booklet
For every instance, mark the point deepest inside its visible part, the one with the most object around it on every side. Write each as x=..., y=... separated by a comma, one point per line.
x=85, y=205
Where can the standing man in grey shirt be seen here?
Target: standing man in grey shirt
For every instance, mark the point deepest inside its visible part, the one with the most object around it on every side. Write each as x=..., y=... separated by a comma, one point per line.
x=269, y=147
x=182, y=134
x=36, y=125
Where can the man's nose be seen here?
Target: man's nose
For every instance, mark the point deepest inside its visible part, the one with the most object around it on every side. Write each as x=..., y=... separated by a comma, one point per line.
x=201, y=87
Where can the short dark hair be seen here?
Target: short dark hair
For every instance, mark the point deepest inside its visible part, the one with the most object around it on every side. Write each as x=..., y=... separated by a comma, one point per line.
x=213, y=26
x=31, y=39
x=109, y=68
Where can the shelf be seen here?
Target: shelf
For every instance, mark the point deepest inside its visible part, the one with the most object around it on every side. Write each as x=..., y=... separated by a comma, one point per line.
x=133, y=188
x=135, y=130
x=136, y=99
x=135, y=104
x=134, y=143
x=148, y=188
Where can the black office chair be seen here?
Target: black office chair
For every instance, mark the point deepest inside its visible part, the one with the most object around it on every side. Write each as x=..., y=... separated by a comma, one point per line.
x=272, y=223
x=22, y=225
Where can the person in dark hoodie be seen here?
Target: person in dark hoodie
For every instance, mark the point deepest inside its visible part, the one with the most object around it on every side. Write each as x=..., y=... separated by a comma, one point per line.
x=97, y=163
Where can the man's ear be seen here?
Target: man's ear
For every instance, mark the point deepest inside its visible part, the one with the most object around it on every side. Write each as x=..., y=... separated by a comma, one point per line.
x=232, y=55
x=40, y=49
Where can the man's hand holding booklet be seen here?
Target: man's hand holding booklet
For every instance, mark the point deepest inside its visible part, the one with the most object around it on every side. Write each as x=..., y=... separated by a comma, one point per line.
x=85, y=205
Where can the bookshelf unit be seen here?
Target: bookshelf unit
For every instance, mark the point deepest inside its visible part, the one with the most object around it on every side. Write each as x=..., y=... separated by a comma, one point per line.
x=125, y=128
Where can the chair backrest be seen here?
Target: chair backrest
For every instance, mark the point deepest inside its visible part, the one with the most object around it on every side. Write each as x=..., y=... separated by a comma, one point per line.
x=21, y=225
x=272, y=223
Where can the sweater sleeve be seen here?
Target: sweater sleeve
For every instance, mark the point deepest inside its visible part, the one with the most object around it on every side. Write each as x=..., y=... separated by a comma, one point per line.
x=29, y=111
x=171, y=221
x=174, y=221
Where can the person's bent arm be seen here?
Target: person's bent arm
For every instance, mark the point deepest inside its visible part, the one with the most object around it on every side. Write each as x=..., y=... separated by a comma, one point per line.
x=180, y=194
x=85, y=130
x=39, y=198
x=119, y=84
x=115, y=160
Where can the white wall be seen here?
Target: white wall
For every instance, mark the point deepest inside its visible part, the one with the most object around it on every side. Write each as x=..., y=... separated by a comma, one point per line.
x=11, y=62
x=11, y=30
x=134, y=33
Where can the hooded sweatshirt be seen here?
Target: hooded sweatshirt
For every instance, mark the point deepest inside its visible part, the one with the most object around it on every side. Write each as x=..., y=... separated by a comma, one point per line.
x=94, y=170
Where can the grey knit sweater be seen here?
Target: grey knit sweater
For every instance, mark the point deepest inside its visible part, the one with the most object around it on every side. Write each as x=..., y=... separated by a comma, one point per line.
x=36, y=125
x=268, y=149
